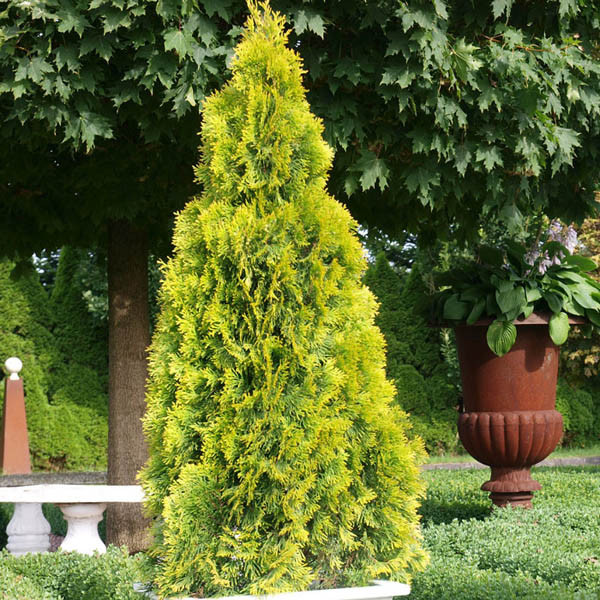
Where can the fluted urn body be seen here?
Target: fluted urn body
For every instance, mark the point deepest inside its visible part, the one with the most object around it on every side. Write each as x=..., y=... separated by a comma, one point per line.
x=509, y=421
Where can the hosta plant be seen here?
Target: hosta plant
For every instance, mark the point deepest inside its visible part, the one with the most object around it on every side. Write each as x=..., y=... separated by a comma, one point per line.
x=276, y=460
x=510, y=283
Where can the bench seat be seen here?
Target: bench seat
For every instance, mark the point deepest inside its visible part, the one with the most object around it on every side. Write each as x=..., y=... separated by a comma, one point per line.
x=81, y=505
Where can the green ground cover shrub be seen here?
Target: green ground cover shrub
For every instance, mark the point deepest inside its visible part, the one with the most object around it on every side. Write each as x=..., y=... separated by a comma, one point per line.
x=550, y=551
x=276, y=459
x=63, y=371
x=70, y=576
x=18, y=587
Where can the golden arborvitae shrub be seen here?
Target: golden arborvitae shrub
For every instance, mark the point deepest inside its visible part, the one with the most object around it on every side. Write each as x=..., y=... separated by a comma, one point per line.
x=276, y=460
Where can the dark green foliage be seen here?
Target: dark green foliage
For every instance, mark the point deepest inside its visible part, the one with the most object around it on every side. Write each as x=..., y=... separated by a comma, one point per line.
x=276, y=460
x=90, y=282
x=513, y=280
x=438, y=111
x=409, y=340
x=414, y=359
x=65, y=400
x=580, y=408
x=70, y=576
x=77, y=334
x=46, y=264
x=449, y=578
x=550, y=551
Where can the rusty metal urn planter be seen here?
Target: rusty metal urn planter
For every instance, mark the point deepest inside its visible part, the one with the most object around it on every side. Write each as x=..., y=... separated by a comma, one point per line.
x=509, y=421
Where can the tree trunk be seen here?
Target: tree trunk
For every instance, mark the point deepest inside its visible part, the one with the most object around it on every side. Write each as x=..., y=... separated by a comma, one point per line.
x=128, y=340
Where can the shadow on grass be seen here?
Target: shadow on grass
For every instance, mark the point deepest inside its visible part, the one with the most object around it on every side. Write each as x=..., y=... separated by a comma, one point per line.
x=435, y=511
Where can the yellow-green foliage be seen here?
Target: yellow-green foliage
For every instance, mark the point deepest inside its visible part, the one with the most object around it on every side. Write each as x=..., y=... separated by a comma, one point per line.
x=276, y=462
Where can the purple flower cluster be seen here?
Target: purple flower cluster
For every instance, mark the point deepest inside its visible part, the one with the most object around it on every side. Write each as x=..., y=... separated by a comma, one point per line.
x=567, y=236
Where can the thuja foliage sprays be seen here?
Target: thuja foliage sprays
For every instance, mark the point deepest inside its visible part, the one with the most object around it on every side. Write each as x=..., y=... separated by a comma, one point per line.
x=276, y=461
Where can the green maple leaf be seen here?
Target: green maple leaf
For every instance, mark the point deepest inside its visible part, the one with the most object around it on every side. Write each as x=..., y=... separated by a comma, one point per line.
x=567, y=139
x=490, y=156
x=499, y=7
x=67, y=56
x=93, y=125
x=70, y=20
x=422, y=179
x=398, y=43
x=18, y=90
x=440, y=8
x=64, y=91
x=36, y=69
x=309, y=20
x=464, y=59
x=100, y=44
x=115, y=18
x=348, y=68
x=217, y=6
x=402, y=76
x=164, y=66
x=462, y=158
x=175, y=40
x=207, y=31
x=566, y=7
x=374, y=171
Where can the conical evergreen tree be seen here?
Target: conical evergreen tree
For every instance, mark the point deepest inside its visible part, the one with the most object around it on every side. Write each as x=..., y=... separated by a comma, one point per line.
x=67, y=412
x=276, y=461
x=78, y=335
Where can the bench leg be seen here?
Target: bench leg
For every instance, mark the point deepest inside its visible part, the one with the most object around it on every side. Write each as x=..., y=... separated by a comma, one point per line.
x=82, y=528
x=28, y=530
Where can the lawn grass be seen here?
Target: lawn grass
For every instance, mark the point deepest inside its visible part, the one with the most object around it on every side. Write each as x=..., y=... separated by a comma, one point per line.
x=477, y=553
x=550, y=551
x=558, y=453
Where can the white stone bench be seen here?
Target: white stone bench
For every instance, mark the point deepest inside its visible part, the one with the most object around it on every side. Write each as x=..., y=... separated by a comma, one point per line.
x=81, y=505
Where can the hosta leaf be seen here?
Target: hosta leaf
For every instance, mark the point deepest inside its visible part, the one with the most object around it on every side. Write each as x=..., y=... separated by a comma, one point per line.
x=528, y=311
x=554, y=301
x=582, y=262
x=501, y=336
x=593, y=316
x=559, y=328
x=454, y=309
x=571, y=276
x=572, y=307
x=584, y=298
x=532, y=294
x=476, y=312
x=511, y=299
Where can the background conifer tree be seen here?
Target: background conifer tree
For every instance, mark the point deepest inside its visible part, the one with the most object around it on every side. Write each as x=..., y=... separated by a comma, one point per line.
x=66, y=401
x=424, y=387
x=276, y=461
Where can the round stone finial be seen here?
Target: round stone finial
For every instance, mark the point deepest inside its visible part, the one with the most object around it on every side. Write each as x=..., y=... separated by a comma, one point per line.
x=13, y=366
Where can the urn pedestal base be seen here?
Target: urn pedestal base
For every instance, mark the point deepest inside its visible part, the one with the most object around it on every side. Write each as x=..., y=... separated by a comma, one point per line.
x=511, y=486
x=510, y=442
